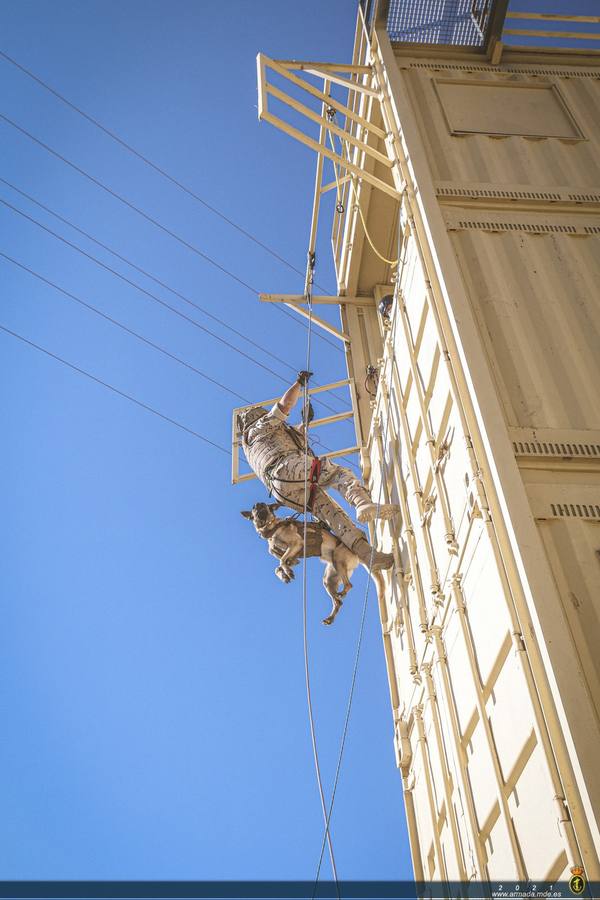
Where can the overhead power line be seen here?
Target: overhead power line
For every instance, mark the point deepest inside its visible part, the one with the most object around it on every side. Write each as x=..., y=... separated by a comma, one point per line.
x=149, y=218
x=142, y=290
x=144, y=272
x=123, y=143
x=120, y=325
x=149, y=294
x=115, y=390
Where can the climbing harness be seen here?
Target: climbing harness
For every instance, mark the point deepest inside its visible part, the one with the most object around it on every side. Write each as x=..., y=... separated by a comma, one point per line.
x=315, y=474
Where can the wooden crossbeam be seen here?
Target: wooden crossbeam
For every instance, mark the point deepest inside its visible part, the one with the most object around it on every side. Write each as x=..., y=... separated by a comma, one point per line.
x=574, y=35
x=554, y=17
x=320, y=95
x=317, y=298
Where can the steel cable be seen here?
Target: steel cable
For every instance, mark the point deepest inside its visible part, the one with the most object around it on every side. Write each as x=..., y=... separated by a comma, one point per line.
x=119, y=140
x=143, y=290
x=115, y=390
x=147, y=217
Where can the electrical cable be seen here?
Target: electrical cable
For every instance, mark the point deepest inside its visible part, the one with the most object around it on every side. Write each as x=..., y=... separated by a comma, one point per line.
x=142, y=290
x=144, y=272
x=115, y=390
x=120, y=325
x=154, y=278
x=133, y=333
x=150, y=219
x=115, y=137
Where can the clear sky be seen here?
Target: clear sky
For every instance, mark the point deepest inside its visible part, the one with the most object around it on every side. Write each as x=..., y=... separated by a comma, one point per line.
x=151, y=674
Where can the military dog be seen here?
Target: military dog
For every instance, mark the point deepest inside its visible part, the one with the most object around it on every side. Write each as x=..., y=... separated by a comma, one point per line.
x=285, y=537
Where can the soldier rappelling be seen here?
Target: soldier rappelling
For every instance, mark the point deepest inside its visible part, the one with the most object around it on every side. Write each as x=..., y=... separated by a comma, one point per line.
x=276, y=453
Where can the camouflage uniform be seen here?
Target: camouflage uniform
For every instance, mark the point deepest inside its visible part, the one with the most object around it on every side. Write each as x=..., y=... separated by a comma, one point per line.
x=275, y=452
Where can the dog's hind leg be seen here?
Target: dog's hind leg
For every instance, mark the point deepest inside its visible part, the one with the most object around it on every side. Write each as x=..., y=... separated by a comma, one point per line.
x=331, y=580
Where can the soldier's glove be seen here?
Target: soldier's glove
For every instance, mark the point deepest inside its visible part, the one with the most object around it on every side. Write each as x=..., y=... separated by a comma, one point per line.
x=303, y=377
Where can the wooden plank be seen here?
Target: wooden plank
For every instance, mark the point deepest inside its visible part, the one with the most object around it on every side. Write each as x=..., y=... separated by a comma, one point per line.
x=552, y=17
x=351, y=85
x=331, y=185
x=330, y=329
x=329, y=455
x=331, y=126
x=320, y=95
x=317, y=298
x=575, y=35
x=303, y=65
x=314, y=145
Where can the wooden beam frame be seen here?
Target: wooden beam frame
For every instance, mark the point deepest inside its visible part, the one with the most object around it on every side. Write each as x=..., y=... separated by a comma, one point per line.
x=324, y=70
x=316, y=299
x=236, y=477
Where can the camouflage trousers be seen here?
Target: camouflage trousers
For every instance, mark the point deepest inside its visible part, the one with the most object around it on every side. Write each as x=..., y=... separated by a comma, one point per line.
x=287, y=483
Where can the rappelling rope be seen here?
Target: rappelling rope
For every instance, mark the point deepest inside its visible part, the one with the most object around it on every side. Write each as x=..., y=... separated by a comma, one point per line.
x=391, y=262
x=308, y=295
x=363, y=616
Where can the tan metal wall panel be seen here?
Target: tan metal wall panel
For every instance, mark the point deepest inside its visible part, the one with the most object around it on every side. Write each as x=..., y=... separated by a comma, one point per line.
x=510, y=159
x=485, y=766
x=535, y=299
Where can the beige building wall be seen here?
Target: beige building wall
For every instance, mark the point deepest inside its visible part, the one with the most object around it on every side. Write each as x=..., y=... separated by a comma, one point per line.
x=487, y=426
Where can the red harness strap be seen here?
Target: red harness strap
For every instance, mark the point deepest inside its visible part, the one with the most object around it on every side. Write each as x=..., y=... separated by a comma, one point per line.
x=315, y=474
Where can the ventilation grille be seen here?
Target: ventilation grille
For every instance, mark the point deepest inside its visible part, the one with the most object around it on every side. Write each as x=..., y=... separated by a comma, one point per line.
x=576, y=510
x=585, y=198
x=563, y=449
x=516, y=70
x=470, y=192
x=533, y=228
x=498, y=194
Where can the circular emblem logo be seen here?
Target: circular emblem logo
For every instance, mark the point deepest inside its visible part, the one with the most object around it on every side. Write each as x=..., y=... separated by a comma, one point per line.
x=577, y=882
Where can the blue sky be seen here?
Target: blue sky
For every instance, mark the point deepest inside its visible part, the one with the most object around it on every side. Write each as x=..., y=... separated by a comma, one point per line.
x=151, y=673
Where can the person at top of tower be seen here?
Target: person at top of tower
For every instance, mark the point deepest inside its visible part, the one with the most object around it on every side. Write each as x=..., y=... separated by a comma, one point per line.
x=275, y=452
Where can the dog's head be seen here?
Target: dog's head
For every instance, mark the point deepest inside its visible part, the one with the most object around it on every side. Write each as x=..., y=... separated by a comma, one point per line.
x=261, y=514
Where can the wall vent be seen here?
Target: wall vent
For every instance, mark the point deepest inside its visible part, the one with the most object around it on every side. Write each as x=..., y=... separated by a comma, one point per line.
x=495, y=70
x=563, y=449
x=499, y=194
x=576, y=510
x=533, y=228
x=478, y=192
x=580, y=197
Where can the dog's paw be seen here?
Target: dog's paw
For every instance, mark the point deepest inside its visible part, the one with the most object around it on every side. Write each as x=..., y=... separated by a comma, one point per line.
x=328, y=620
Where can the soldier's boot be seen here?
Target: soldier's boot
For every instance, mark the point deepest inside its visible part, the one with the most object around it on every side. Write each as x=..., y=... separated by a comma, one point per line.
x=367, y=511
x=371, y=557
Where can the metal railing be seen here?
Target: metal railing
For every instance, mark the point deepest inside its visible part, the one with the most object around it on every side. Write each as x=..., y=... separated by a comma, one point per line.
x=461, y=23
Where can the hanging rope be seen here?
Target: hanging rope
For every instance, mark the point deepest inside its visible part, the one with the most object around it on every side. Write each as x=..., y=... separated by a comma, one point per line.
x=390, y=262
x=327, y=838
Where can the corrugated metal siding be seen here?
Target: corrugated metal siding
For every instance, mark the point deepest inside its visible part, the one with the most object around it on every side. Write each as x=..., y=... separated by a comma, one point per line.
x=535, y=298
x=450, y=613
x=472, y=738
x=508, y=160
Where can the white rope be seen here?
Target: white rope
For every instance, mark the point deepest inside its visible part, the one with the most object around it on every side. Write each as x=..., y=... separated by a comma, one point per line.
x=313, y=737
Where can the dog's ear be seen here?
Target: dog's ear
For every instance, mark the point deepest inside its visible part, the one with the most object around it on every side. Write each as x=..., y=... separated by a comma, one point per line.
x=274, y=506
x=246, y=513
